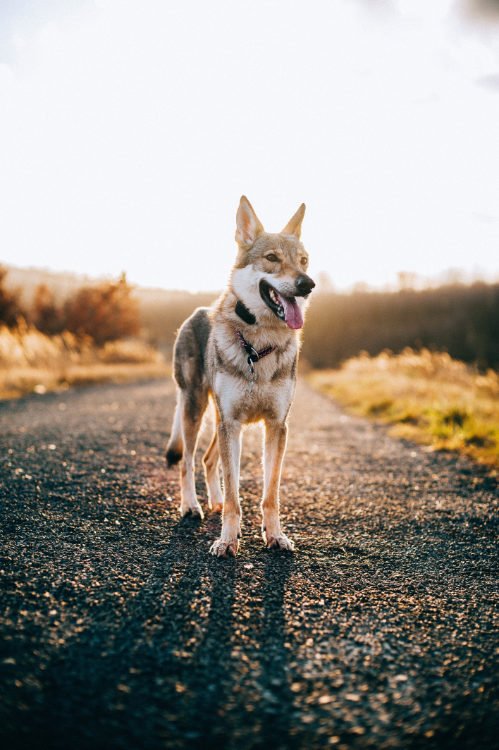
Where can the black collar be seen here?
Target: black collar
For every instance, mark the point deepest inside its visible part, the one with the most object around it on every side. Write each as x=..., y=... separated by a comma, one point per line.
x=244, y=313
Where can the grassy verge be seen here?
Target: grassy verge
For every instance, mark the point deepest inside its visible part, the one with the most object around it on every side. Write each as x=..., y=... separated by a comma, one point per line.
x=32, y=362
x=428, y=397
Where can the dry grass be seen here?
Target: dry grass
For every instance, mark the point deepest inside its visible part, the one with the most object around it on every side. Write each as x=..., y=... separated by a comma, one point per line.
x=31, y=361
x=429, y=397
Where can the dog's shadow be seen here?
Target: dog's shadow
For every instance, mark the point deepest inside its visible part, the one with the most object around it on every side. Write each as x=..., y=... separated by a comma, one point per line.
x=249, y=663
x=275, y=649
x=171, y=663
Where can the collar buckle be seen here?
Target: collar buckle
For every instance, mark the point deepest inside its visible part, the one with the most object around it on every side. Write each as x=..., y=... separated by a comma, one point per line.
x=253, y=354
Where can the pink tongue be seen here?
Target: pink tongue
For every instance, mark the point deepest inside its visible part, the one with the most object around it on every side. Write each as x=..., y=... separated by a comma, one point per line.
x=292, y=313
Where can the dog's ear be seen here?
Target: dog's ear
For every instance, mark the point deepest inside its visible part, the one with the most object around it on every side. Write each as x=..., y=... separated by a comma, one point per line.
x=248, y=225
x=294, y=224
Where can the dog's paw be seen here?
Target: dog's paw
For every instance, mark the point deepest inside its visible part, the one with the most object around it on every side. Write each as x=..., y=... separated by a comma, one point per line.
x=279, y=541
x=193, y=511
x=224, y=547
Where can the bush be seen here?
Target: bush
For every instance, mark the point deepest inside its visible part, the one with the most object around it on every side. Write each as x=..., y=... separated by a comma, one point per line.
x=11, y=310
x=105, y=312
x=46, y=315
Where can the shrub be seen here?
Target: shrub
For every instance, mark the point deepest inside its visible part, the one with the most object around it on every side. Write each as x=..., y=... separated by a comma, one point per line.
x=46, y=315
x=106, y=312
x=11, y=310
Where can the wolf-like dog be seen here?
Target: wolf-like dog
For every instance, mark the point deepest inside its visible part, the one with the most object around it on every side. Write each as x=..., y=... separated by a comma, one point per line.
x=242, y=353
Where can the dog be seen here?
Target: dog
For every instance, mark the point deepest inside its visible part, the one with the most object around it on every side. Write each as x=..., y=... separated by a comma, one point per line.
x=242, y=353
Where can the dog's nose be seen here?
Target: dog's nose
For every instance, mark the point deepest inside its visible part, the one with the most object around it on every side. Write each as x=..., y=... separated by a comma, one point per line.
x=304, y=285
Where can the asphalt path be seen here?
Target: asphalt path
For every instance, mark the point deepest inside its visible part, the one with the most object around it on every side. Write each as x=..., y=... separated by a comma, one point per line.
x=120, y=630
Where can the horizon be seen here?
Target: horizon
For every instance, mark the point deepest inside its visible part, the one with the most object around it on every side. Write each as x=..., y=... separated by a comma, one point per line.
x=403, y=282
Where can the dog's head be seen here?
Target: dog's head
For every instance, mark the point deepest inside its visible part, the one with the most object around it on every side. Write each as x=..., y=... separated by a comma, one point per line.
x=270, y=275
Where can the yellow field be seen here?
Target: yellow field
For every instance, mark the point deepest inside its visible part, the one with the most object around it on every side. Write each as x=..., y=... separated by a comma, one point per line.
x=31, y=361
x=429, y=397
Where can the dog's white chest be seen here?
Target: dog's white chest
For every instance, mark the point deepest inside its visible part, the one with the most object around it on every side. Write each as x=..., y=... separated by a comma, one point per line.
x=248, y=400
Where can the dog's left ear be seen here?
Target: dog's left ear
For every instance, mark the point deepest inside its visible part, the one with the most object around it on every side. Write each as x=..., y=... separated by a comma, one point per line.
x=294, y=224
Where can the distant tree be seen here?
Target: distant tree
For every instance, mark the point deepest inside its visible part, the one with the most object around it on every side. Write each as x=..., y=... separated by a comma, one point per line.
x=11, y=310
x=46, y=315
x=105, y=312
x=360, y=287
x=453, y=276
x=324, y=282
x=406, y=280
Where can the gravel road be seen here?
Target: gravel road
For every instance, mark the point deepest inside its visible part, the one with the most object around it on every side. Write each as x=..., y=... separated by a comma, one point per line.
x=119, y=630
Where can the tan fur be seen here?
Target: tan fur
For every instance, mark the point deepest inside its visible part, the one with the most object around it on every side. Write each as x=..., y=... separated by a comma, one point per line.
x=209, y=362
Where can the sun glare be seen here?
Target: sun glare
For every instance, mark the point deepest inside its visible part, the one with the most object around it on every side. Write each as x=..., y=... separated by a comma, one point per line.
x=129, y=132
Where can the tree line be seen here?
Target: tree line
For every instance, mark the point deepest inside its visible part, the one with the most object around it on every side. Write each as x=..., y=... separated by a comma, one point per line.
x=458, y=319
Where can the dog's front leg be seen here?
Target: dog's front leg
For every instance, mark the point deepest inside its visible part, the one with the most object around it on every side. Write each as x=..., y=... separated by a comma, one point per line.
x=275, y=446
x=229, y=442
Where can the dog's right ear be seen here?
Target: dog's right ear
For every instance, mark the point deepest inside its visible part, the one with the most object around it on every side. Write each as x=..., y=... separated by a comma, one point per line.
x=248, y=225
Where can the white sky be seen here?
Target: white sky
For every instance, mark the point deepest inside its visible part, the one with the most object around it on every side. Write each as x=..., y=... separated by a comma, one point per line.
x=128, y=131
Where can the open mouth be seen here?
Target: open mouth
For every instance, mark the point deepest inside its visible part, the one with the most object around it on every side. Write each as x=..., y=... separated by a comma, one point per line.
x=285, y=308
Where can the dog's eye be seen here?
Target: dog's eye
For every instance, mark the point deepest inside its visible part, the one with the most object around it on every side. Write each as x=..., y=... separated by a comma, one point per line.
x=273, y=258
x=304, y=261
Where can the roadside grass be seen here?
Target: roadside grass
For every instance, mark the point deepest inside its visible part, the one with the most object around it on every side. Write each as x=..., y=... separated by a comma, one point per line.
x=428, y=397
x=30, y=361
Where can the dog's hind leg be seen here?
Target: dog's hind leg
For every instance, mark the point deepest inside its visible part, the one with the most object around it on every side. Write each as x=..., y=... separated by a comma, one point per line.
x=210, y=463
x=174, y=447
x=193, y=408
x=275, y=446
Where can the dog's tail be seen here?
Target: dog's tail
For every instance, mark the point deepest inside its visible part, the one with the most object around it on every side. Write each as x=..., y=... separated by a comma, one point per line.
x=175, y=447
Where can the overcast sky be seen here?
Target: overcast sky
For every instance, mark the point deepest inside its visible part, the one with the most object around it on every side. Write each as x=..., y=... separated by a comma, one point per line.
x=129, y=130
